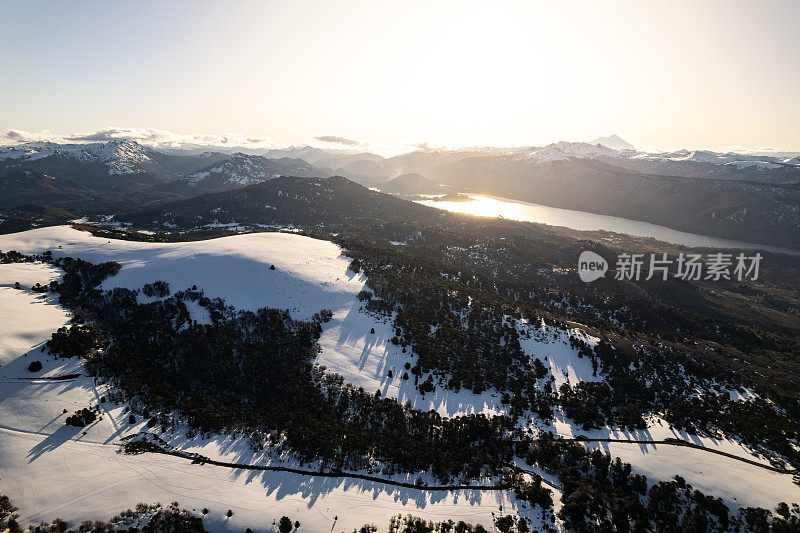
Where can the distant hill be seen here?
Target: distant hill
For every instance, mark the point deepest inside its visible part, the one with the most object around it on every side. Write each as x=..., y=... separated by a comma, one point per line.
x=20, y=187
x=284, y=201
x=413, y=183
x=241, y=170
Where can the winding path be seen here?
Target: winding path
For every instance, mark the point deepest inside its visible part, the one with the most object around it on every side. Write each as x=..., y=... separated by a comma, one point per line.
x=165, y=449
x=679, y=442
x=150, y=447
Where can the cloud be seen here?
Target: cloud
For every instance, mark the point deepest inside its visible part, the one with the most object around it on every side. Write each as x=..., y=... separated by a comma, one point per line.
x=20, y=136
x=422, y=146
x=199, y=142
x=144, y=135
x=426, y=146
x=338, y=140
x=163, y=138
x=148, y=136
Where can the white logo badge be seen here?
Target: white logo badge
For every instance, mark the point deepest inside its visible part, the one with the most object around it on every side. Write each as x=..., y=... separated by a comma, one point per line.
x=591, y=266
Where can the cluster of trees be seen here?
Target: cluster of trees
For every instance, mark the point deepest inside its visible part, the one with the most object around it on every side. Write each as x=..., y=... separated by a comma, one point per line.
x=82, y=417
x=198, y=234
x=155, y=518
x=13, y=256
x=285, y=525
x=415, y=524
x=15, y=220
x=74, y=341
x=665, y=379
x=756, y=420
x=462, y=330
x=591, y=484
x=508, y=523
x=157, y=289
x=78, y=288
x=150, y=518
x=8, y=515
x=464, y=335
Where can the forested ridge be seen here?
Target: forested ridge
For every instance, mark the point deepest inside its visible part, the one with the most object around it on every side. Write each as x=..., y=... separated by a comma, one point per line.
x=649, y=367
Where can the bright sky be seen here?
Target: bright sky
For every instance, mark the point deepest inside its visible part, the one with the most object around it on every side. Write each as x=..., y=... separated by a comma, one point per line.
x=670, y=74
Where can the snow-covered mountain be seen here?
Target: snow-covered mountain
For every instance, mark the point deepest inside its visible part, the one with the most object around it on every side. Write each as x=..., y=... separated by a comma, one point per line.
x=311, y=154
x=86, y=175
x=718, y=158
x=119, y=157
x=615, y=142
x=563, y=150
x=240, y=170
x=779, y=168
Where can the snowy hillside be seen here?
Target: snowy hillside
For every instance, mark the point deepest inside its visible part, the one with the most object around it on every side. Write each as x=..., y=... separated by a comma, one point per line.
x=309, y=274
x=83, y=475
x=25, y=317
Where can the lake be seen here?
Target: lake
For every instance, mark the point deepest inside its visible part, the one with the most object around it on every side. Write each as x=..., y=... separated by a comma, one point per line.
x=493, y=206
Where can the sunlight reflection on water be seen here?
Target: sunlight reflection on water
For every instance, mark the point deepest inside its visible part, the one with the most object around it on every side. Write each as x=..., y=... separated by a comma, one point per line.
x=493, y=206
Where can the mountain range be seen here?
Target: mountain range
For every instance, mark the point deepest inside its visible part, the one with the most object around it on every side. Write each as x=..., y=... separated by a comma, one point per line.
x=754, y=197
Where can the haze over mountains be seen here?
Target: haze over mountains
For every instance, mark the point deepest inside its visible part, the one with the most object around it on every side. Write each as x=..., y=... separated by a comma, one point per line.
x=752, y=197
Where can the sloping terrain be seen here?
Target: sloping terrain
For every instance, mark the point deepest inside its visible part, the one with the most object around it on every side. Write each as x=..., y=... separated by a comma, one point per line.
x=309, y=274
x=80, y=473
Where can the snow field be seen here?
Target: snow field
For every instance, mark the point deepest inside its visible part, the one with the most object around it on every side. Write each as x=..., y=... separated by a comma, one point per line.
x=52, y=470
x=26, y=318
